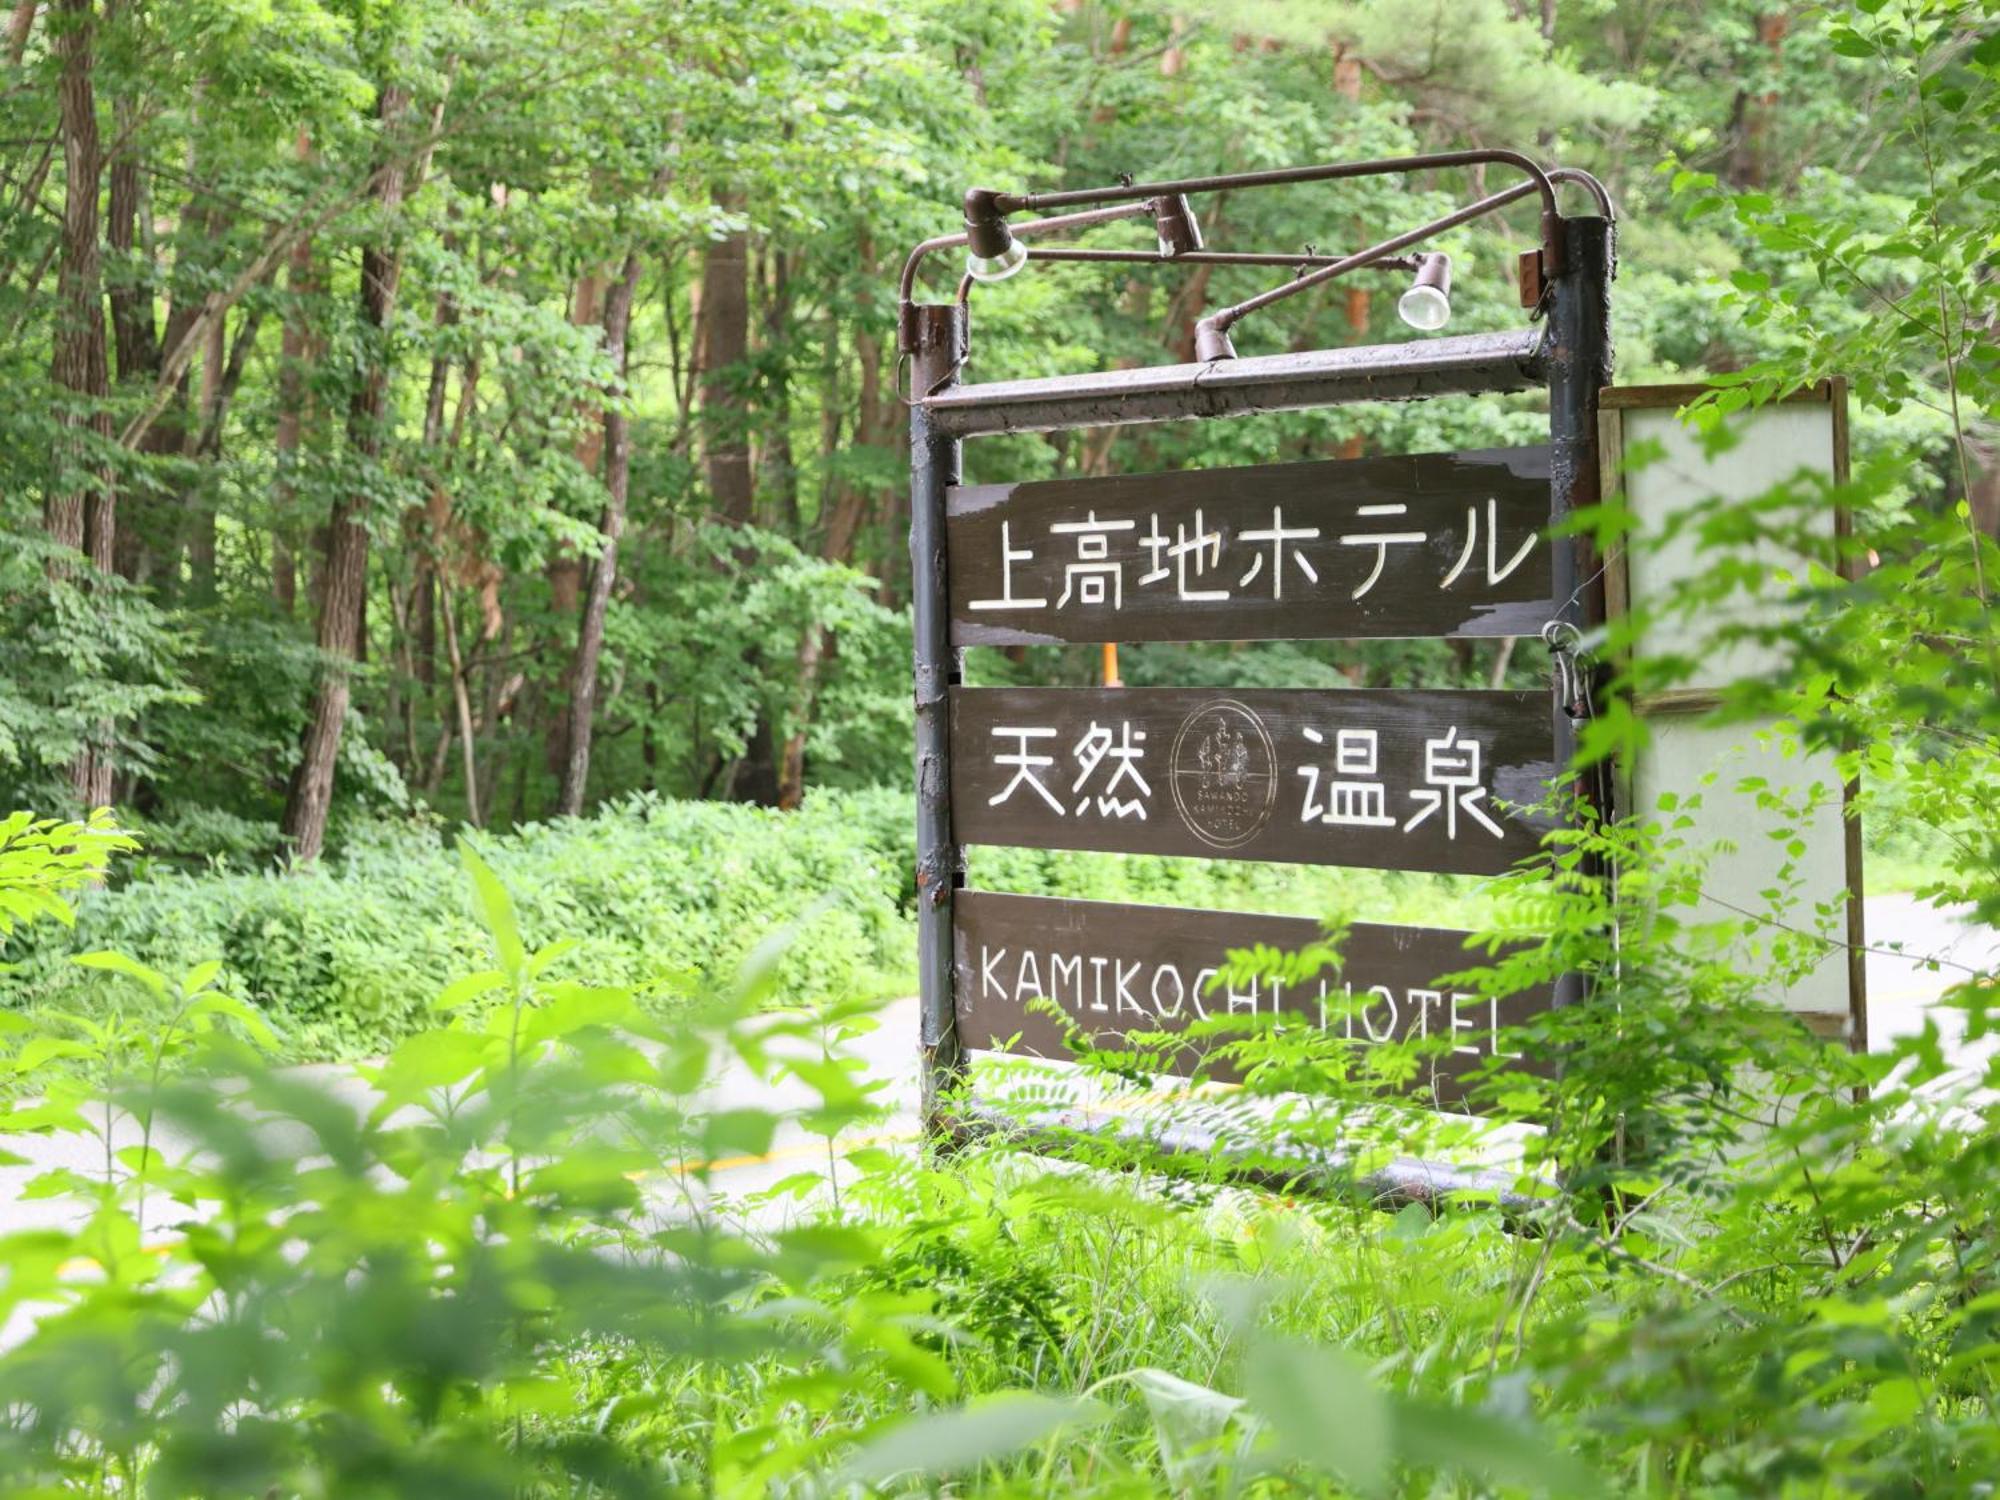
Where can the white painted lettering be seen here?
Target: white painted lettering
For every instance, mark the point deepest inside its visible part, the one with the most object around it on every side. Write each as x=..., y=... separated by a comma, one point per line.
x=989, y=960
x=1424, y=1000
x=1239, y=1001
x=1028, y=981
x=1389, y=998
x=1462, y=1022
x=1126, y=999
x=1201, y=988
x=1061, y=968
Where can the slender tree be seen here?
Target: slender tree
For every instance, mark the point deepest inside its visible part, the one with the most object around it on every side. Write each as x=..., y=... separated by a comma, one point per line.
x=725, y=344
x=580, y=713
x=339, y=634
x=82, y=510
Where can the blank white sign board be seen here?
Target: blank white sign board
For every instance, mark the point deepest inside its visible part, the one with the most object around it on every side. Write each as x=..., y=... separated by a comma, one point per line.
x=1824, y=887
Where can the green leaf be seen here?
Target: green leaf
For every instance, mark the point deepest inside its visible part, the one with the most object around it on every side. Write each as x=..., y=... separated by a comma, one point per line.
x=737, y=1132
x=991, y=1427
x=253, y=1023
x=577, y=1007
x=131, y=968
x=496, y=912
x=1187, y=1418
x=462, y=991
x=544, y=957
x=428, y=1061
x=1475, y=1442
x=48, y=1049
x=1323, y=1410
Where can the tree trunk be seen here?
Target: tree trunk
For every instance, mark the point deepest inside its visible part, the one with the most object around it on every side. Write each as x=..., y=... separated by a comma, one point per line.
x=565, y=569
x=136, y=335
x=776, y=463
x=416, y=613
x=81, y=508
x=78, y=356
x=841, y=519
x=339, y=635
x=1984, y=497
x=1749, y=159
x=134, y=324
x=604, y=571
x=198, y=501
x=792, y=756
x=468, y=732
x=722, y=348
x=725, y=342
x=296, y=352
x=19, y=24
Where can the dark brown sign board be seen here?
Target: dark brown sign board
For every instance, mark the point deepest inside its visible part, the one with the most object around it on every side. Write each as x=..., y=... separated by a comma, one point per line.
x=1429, y=544
x=1382, y=779
x=1117, y=970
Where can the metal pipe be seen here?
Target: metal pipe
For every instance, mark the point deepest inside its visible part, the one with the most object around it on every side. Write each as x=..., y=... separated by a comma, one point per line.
x=1595, y=188
x=934, y=467
x=907, y=286
x=1538, y=181
x=1213, y=258
x=1066, y=254
x=1222, y=320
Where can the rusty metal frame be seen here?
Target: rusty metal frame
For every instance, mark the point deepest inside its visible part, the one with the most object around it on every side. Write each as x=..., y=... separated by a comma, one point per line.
x=1134, y=200
x=1468, y=364
x=1569, y=355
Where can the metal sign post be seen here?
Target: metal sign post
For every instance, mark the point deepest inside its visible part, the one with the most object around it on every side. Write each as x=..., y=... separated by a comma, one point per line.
x=938, y=345
x=1437, y=545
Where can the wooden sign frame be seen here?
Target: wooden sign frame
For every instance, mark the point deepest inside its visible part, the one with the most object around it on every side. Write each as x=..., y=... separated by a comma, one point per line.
x=1568, y=354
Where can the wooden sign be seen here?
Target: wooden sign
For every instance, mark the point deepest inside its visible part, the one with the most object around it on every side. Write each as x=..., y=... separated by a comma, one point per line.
x=1386, y=780
x=1432, y=544
x=1115, y=970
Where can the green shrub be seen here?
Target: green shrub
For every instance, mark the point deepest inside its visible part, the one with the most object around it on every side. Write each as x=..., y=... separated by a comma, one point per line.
x=661, y=896
x=664, y=897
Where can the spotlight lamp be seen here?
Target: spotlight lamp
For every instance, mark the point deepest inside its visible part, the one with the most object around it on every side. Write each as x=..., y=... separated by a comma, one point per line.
x=991, y=251
x=1427, y=304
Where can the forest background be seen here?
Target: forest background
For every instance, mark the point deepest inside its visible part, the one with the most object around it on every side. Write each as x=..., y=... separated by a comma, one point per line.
x=424, y=415
x=494, y=408
x=343, y=342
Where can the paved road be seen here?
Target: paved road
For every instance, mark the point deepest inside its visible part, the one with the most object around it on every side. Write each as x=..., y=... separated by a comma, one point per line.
x=1901, y=985
x=1904, y=934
